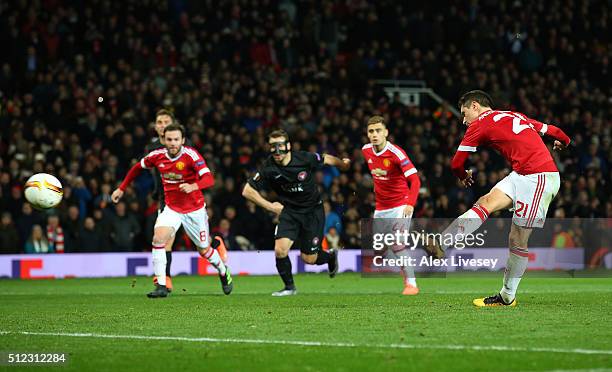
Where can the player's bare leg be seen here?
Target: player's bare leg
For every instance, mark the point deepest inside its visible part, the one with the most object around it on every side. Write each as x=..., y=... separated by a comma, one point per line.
x=321, y=258
x=283, y=265
x=471, y=220
x=168, y=247
x=515, y=268
x=161, y=235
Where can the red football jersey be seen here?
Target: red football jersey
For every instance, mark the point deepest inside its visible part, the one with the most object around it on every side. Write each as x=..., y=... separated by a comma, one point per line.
x=389, y=169
x=186, y=167
x=515, y=136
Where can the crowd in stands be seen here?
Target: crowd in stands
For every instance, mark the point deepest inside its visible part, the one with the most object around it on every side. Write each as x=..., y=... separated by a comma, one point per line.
x=80, y=83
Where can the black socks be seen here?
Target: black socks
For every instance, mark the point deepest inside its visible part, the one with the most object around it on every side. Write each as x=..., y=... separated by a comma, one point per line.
x=322, y=257
x=168, y=262
x=283, y=265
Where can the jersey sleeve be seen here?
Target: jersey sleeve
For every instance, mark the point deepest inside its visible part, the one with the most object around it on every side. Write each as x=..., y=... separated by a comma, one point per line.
x=550, y=130
x=472, y=139
x=403, y=161
x=315, y=159
x=407, y=167
x=258, y=181
x=200, y=166
x=148, y=162
x=539, y=127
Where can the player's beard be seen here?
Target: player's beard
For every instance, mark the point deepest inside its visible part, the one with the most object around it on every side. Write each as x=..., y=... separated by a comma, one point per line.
x=173, y=152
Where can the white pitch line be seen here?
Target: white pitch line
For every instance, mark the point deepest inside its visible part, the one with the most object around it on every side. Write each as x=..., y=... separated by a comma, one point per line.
x=199, y=292
x=317, y=343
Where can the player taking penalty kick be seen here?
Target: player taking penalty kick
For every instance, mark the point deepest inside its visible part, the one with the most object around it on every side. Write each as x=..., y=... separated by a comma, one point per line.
x=184, y=173
x=396, y=187
x=529, y=188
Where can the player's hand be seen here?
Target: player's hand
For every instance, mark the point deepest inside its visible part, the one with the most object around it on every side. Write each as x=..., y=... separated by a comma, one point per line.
x=558, y=145
x=277, y=208
x=346, y=164
x=468, y=180
x=408, y=211
x=116, y=195
x=188, y=187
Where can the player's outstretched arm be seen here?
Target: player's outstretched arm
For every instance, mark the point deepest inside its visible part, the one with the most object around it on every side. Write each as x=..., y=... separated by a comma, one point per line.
x=253, y=195
x=457, y=167
x=343, y=164
x=562, y=140
x=131, y=175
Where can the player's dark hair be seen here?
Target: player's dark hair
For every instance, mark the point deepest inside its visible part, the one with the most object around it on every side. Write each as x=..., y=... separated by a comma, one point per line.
x=167, y=113
x=175, y=127
x=475, y=96
x=376, y=119
x=278, y=133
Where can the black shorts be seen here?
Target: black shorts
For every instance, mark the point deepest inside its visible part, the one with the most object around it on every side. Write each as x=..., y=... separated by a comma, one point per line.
x=305, y=229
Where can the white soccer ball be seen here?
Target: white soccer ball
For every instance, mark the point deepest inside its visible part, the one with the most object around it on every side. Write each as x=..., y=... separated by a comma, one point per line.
x=43, y=191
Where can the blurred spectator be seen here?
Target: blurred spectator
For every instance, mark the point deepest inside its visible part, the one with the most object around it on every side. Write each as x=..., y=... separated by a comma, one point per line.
x=37, y=243
x=102, y=221
x=332, y=239
x=28, y=218
x=55, y=234
x=224, y=230
x=260, y=234
x=103, y=199
x=83, y=196
x=124, y=227
x=561, y=238
x=332, y=219
x=72, y=228
x=9, y=238
x=90, y=238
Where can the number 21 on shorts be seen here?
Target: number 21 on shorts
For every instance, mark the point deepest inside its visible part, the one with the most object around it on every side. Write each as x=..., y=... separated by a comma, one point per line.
x=521, y=210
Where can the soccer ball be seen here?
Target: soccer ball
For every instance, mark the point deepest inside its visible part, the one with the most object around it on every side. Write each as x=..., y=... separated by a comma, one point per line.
x=43, y=191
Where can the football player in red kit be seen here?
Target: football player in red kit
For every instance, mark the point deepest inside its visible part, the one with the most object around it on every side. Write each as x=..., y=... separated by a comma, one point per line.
x=528, y=189
x=184, y=172
x=396, y=187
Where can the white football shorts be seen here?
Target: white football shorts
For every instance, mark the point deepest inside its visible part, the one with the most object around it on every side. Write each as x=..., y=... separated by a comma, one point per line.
x=195, y=224
x=531, y=195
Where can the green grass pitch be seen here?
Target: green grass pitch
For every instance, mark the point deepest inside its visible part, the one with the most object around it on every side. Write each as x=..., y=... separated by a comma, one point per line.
x=348, y=323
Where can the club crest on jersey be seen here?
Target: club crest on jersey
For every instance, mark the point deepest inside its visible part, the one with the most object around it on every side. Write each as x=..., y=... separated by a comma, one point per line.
x=302, y=175
x=180, y=165
x=379, y=172
x=315, y=240
x=370, y=161
x=386, y=163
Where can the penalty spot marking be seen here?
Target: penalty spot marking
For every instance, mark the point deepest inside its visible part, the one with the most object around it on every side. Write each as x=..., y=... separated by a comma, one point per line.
x=315, y=343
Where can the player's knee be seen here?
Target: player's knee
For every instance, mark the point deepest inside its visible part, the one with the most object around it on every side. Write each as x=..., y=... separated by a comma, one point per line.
x=485, y=201
x=204, y=251
x=160, y=239
x=310, y=259
x=516, y=240
x=280, y=250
